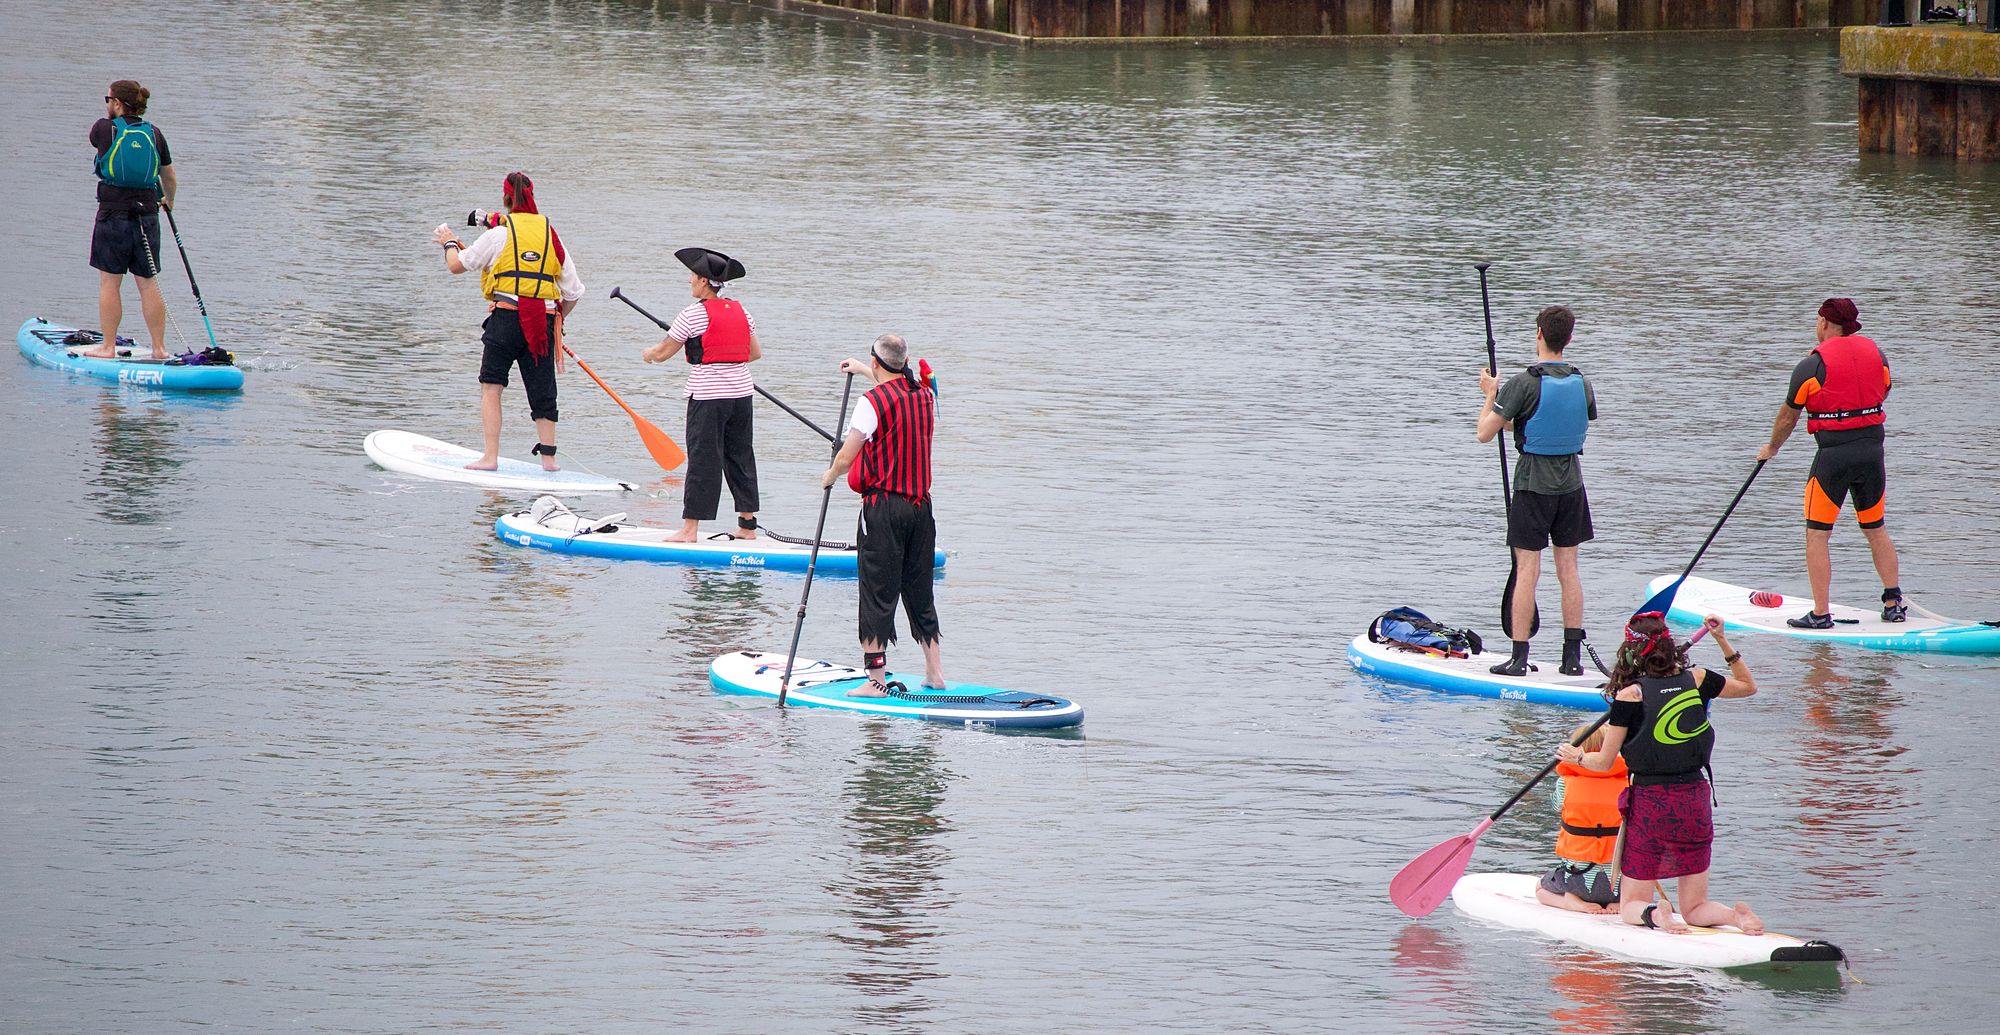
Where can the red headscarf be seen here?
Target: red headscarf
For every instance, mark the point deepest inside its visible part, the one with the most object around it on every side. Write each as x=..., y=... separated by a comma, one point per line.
x=1842, y=313
x=534, y=312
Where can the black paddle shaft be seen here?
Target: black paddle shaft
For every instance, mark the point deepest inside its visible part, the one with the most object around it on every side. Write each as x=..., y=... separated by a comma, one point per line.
x=192, y=286
x=1551, y=767
x=665, y=326
x=812, y=562
x=1506, y=479
x=1689, y=570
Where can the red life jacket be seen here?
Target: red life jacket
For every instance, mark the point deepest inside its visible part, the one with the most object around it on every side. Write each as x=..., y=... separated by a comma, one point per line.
x=727, y=339
x=1857, y=381
x=898, y=458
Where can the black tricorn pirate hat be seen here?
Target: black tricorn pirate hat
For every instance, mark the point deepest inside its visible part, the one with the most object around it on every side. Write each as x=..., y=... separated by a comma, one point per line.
x=711, y=264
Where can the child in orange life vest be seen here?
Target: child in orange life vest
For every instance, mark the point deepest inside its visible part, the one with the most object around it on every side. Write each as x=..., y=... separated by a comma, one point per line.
x=1588, y=800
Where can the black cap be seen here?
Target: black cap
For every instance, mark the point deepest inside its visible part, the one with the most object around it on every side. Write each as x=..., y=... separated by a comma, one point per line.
x=710, y=264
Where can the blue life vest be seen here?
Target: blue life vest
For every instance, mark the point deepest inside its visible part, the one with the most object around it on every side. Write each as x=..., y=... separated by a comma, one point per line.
x=1561, y=417
x=133, y=159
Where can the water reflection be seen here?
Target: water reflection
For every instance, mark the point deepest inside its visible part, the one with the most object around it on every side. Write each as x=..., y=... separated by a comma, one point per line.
x=1857, y=785
x=724, y=610
x=138, y=456
x=891, y=891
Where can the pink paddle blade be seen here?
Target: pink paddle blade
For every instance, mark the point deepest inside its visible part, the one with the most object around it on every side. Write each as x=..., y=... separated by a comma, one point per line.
x=1427, y=881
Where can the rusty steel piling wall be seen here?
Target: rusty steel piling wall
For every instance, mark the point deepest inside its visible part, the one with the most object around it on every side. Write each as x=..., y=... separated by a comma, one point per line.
x=1926, y=90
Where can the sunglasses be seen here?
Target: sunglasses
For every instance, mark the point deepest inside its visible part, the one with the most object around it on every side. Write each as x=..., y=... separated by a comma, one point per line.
x=108, y=98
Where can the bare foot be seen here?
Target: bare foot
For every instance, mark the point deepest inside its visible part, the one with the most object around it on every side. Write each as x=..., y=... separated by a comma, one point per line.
x=101, y=352
x=159, y=352
x=549, y=464
x=936, y=684
x=1600, y=910
x=872, y=689
x=1746, y=921
x=484, y=464
x=744, y=533
x=1670, y=922
x=682, y=536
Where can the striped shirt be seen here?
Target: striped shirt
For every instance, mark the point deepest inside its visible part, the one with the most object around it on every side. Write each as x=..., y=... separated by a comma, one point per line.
x=711, y=380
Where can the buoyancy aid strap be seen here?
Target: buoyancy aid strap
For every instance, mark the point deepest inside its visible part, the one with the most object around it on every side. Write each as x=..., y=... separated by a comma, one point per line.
x=1845, y=414
x=1570, y=828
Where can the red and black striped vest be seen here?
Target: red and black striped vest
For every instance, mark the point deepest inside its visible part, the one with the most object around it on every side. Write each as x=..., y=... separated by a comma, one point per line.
x=898, y=458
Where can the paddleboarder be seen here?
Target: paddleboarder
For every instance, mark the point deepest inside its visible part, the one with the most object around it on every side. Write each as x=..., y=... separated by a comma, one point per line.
x=523, y=267
x=1587, y=801
x=720, y=339
x=888, y=449
x=135, y=176
x=1841, y=387
x=1549, y=407
x=1659, y=725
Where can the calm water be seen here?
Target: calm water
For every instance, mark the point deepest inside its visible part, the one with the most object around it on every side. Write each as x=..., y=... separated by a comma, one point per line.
x=291, y=743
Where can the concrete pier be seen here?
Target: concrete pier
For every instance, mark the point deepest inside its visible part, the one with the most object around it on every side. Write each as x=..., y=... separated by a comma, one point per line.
x=1926, y=89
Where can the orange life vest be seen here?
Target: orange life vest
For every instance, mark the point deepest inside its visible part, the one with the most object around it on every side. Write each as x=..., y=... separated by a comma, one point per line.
x=1590, y=811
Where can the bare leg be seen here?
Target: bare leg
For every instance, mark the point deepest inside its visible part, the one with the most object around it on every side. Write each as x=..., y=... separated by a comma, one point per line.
x=1633, y=898
x=875, y=675
x=1702, y=911
x=155, y=309
x=545, y=432
x=934, y=664
x=110, y=311
x=1819, y=568
x=489, y=421
x=1572, y=587
x=745, y=533
x=690, y=528
x=1527, y=574
x=1569, y=902
x=1884, y=553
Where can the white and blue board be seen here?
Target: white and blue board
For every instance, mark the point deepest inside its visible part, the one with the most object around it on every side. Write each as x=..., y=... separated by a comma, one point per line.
x=1923, y=630
x=565, y=532
x=42, y=342
x=1508, y=899
x=822, y=684
x=409, y=453
x=1469, y=675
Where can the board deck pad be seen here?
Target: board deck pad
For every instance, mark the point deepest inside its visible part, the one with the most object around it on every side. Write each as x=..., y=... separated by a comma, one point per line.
x=822, y=684
x=565, y=532
x=408, y=453
x=1508, y=899
x=1861, y=626
x=1469, y=675
x=42, y=342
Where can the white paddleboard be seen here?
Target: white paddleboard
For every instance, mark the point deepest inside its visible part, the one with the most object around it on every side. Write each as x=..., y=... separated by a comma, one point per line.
x=409, y=453
x=1923, y=630
x=1508, y=899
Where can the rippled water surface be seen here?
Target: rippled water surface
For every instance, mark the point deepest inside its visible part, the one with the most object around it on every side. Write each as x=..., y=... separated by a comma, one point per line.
x=290, y=743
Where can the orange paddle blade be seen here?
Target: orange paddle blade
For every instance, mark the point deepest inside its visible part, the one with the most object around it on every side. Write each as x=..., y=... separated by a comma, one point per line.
x=665, y=452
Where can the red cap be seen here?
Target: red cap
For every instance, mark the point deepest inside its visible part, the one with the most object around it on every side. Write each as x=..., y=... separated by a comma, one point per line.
x=1842, y=313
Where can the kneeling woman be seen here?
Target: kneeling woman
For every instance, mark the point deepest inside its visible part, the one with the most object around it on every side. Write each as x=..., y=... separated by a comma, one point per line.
x=1659, y=723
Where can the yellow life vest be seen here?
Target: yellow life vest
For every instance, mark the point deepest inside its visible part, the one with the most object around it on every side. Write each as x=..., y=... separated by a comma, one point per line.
x=528, y=267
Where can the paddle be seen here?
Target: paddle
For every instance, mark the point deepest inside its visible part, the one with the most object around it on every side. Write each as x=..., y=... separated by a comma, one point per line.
x=1506, y=481
x=1418, y=888
x=1664, y=599
x=812, y=562
x=665, y=451
x=665, y=326
x=196, y=288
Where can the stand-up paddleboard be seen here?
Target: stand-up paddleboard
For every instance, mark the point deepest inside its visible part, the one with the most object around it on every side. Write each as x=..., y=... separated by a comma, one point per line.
x=45, y=344
x=563, y=531
x=1508, y=899
x=1470, y=676
x=821, y=684
x=409, y=453
x=1861, y=626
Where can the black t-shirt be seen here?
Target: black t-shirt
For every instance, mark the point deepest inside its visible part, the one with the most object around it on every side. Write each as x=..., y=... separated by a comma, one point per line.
x=1807, y=379
x=120, y=199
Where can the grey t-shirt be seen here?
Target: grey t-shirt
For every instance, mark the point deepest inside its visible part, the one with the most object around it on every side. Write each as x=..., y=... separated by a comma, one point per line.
x=1533, y=472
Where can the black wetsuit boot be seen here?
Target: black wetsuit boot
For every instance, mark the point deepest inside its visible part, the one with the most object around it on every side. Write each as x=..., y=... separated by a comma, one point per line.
x=1572, y=663
x=1516, y=665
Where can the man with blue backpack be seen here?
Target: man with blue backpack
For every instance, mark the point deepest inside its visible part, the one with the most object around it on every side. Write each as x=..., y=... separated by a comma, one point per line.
x=1549, y=407
x=135, y=177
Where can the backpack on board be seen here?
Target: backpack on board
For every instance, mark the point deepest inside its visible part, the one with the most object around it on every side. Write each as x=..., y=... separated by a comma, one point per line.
x=1412, y=630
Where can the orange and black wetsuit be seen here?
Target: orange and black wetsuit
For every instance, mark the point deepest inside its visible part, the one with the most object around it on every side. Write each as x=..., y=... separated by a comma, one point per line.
x=1841, y=386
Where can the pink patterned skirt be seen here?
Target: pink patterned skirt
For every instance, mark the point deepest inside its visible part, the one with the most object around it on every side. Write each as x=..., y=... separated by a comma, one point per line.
x=1668, y=830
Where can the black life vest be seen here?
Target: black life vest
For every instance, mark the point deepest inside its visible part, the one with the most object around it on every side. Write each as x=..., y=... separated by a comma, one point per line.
x=1672, y=743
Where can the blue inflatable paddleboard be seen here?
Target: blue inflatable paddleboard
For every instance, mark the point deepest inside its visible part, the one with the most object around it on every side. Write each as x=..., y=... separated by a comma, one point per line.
x=821, y=684
x=1469, y=675
x=615, y=538
x=42, y=342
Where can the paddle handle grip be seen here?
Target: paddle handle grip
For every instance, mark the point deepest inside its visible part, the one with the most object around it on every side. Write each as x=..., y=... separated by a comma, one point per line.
x=641, y=310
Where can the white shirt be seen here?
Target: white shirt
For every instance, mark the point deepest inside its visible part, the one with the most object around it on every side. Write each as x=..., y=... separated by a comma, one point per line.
x=711, y=380
x=480, y=254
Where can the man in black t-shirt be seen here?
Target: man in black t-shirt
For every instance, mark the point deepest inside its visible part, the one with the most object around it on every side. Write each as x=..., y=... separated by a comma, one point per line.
x=126, y=236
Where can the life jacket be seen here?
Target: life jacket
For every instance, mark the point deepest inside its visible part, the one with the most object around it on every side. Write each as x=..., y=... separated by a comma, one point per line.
x=133, y=159
x=898, y=458
x=1857, y=382
x=727, y=339
x=528, y=268
x=1590, y=811
x=1412, y=630
x=1562, y=414
x=1672, y=743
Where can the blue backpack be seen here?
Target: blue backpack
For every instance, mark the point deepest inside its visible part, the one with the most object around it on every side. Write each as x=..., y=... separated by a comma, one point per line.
x=133, y=159
x=1412, y=630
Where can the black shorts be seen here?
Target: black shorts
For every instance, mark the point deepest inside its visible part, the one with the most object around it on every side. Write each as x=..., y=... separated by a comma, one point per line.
x=1852, y=467
x=896, y=548
x=119, y=242
x=1587, y=881
x=1533, y=520
x=506, y=345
